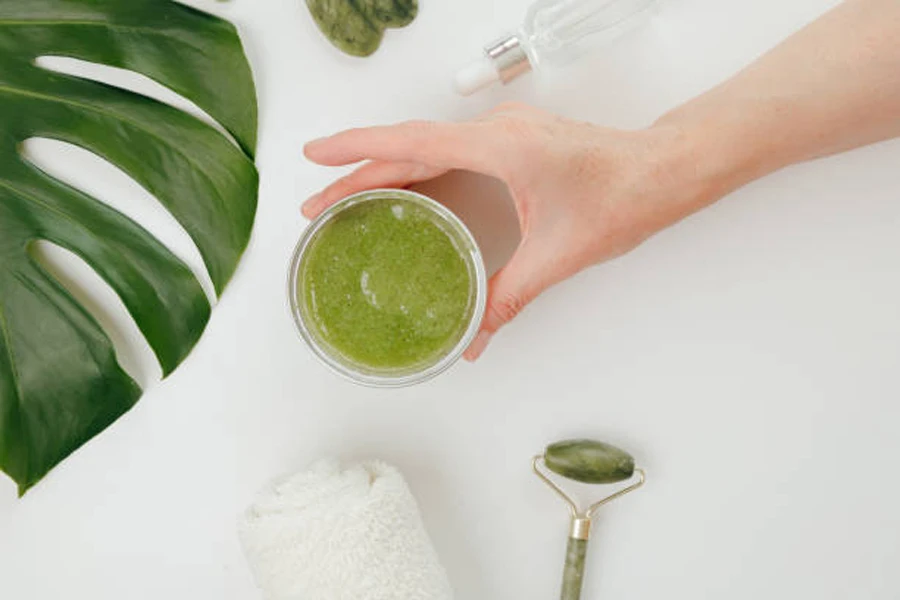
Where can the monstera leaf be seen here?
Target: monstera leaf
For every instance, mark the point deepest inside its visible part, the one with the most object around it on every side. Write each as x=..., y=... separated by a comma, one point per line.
x=60, y=382
x=357, y=26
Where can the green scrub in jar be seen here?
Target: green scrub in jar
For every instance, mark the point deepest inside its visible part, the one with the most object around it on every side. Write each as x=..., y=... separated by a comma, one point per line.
x=387, y=284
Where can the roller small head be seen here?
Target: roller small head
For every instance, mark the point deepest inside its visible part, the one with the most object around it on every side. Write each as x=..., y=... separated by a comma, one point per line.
x=589, y=461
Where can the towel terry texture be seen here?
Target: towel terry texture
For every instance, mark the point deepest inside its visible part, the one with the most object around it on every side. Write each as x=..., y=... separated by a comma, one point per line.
x=334, y=533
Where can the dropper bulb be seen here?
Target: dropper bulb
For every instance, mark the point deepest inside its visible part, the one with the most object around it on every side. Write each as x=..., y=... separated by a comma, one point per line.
x=478, y=75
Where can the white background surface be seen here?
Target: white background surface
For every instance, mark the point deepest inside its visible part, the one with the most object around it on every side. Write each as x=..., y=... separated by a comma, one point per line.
x=749, y=357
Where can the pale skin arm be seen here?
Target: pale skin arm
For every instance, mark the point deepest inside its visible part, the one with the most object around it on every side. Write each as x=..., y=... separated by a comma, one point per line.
x=585, y=193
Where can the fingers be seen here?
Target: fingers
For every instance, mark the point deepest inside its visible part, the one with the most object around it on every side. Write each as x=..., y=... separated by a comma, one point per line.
x=469, y=146
x=509, y=291
x=377, y=174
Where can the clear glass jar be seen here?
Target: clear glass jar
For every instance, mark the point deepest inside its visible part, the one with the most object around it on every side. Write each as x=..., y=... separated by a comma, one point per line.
x=367, y=375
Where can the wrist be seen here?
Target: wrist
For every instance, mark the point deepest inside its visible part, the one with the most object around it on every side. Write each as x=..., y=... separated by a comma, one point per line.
x=713, y=155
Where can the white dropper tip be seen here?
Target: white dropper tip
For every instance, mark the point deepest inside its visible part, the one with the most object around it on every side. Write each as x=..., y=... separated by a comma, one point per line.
x=476, y=76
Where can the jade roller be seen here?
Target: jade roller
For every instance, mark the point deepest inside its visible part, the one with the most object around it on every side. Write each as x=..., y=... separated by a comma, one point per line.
x=586, y=461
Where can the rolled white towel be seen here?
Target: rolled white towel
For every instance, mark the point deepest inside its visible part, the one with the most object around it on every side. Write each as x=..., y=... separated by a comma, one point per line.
x=341, y=534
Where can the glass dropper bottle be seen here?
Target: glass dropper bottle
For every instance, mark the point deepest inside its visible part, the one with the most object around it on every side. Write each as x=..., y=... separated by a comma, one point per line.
x=554, y=32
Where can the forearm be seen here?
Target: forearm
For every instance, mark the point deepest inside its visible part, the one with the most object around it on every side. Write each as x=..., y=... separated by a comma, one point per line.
x=833, y=86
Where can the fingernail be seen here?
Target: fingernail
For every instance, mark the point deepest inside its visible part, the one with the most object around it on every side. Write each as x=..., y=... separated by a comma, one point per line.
x=312, y=143
x=478, y=345
x=307, y=207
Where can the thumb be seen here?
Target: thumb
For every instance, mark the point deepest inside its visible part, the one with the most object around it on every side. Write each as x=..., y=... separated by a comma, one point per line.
x=510, y=290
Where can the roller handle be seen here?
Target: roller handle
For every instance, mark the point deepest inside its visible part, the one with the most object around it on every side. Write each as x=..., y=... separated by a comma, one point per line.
x=573, y=573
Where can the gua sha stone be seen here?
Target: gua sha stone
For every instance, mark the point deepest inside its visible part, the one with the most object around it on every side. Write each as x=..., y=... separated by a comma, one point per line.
x=357, y=26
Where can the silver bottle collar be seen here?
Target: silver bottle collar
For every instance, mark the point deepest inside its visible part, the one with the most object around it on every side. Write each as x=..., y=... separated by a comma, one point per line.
x=509, y=58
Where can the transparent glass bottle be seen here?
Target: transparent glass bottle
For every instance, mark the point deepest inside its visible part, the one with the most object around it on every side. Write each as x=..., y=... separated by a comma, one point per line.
x=554, y=32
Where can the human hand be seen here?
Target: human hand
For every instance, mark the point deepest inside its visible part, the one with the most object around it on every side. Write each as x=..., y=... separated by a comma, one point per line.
x=583, y=193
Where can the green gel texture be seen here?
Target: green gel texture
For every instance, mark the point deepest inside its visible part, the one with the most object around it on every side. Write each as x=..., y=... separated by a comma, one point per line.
x=387, y=286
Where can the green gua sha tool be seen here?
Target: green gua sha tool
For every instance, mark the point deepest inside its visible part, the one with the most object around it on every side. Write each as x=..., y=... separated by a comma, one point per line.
x=586, y=461
x=357, y=26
